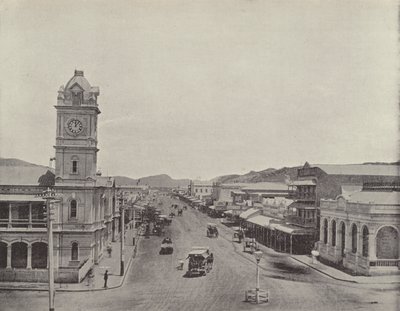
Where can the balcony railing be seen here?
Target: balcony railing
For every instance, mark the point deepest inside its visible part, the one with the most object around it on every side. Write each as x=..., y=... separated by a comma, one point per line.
x=362, y=208
x=22, y=223
x=304, y=222
x=385, y=263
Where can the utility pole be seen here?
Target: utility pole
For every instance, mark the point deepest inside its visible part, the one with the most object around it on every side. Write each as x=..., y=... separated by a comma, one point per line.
x=50, y=195
x=122, y=207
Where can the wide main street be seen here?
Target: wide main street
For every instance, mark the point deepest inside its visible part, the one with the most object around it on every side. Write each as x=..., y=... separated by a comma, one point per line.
x=155, y=283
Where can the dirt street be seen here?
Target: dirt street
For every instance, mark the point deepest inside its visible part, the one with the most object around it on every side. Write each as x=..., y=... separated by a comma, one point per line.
x=155, y=283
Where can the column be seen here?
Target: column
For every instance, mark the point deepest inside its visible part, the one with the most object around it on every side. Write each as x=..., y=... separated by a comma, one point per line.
x=329, y=234
x=357, y=254
x=371, y=245
x=284, y=242
x=9, y=215
x=30, y=216
x=348, y=244
x=321, y=231
x=9, y=256
x=291, y=243
x=29, y=261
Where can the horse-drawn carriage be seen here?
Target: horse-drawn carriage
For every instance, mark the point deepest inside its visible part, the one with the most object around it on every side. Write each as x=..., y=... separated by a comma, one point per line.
x=250, y=245
x=212, y=230
x=200, y=261
x=238, y=236
x=166, y=246
x=158, y=229
x=164, y=220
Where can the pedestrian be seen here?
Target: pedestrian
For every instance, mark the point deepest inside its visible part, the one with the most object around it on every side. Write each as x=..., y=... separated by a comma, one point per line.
x=109, y=249
x=105, y=278
x=90, y=277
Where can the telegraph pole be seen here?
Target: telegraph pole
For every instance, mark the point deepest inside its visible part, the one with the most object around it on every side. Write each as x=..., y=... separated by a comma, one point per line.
x=122, y=268
x=50, y=195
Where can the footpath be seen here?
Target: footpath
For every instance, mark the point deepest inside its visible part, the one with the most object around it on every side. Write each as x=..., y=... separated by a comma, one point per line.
x=342, y=276
x=96, y=282
x=325, y=269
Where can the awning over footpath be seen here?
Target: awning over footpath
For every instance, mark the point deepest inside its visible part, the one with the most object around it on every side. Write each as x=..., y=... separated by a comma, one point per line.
x=249, y=212
x=238, y=192
x=308, y=182
x=291, y=229
x=300, y=205
x=260, y=220
x=20, y=198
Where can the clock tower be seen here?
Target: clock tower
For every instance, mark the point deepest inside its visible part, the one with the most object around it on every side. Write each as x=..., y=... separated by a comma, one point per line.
x=76, y=138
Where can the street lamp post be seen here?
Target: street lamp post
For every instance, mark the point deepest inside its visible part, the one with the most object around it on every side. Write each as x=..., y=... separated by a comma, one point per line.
x=50, y=196
x=258, y=256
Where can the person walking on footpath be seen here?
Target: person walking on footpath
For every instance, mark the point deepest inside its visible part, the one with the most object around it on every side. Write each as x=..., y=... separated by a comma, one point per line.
x=105, y=278
x=90, y=278
x=109, y=249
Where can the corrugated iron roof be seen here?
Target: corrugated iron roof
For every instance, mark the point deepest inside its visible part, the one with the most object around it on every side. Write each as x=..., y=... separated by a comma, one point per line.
x=260, y=220
x=265, y=186
x=248, y=213
x=308, y=182
x=360, y=169
x=374, y=197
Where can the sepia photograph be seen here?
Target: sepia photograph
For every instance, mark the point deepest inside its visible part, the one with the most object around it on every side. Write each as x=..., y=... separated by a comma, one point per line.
x=199, y=155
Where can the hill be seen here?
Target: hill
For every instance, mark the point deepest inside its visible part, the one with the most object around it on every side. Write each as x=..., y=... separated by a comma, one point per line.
x=15, y=171
x=269, y=174
x=157, y=181
x=17, y=162
x=18, y=172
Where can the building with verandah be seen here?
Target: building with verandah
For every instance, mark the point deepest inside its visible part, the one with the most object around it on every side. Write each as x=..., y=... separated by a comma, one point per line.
x=86, y=216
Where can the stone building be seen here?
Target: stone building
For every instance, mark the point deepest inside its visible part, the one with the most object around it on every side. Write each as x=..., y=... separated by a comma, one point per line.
x=360, y=231
x=327, y=181
x=85, y=217
x=201, y=189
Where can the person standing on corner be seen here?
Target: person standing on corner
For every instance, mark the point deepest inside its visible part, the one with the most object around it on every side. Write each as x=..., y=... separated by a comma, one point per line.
x=105, y=278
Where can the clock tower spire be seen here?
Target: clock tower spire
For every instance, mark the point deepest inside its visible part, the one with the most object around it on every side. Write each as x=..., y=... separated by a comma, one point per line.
x=76, y=134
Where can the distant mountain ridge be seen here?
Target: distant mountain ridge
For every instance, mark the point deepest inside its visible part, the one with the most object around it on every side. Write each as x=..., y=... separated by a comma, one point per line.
x=250, y=177
x=275, y=175
x=158, y=181
x=18, y=162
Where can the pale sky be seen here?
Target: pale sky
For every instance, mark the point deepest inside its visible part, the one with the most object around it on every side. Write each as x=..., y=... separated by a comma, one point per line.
x=197, y=89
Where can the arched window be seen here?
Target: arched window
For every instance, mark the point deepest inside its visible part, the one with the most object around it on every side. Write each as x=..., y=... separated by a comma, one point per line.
x=74, y=165
x=73, y=206
x=3, y=255
x=365, y=241
x=77, y=98
x=39, y=255
x=387, y=243
x=354, y=238
x=343, y=237
x=19, y=255
x=333, y=233
x=325, y=231
x=74, y=251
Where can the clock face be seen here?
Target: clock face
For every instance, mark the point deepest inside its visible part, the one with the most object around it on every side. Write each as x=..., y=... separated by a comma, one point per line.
x=75, y=126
